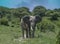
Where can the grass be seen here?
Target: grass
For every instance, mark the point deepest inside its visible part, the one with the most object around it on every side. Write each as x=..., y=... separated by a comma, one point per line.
x=12, y=35
x=8, y=35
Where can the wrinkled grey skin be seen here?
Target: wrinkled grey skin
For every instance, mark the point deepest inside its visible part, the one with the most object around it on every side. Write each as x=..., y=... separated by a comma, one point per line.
x=28, y=24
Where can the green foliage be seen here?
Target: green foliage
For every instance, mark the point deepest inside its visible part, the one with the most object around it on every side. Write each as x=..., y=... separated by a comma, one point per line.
x=57, y=23
x=4, y=21
x=46, y=25
x=23, y=11
x=49, y=13
x=39, y=10
x=4, y=11
x=58, y=38
x=54, y=17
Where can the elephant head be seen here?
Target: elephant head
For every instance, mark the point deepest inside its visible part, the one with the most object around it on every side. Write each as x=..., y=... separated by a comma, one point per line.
x=34, y=20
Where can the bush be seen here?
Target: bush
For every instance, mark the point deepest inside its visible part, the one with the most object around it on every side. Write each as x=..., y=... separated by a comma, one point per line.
x=4, y=21
x=45, y=26
x=12, y=26
x=54, y=17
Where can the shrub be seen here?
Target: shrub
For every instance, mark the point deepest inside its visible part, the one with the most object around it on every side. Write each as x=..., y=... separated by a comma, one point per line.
x=4, y=21
x=12, y=26
x=46, y=25
x=54, y=17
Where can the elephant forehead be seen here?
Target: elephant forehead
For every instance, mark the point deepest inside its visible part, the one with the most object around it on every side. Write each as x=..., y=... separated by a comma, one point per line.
x=32, y=18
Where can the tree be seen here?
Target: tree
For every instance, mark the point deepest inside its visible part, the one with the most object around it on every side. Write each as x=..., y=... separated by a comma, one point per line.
x=19, y=12
x=39, y=10
x=49, y=13
x=58, y=11
x=54, y=16
x=3, y=11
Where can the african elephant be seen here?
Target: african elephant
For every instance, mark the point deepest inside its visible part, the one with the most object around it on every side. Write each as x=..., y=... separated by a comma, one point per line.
x=28, y=24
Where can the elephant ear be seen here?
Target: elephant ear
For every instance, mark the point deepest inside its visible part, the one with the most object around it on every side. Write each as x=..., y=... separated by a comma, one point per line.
x=26, y=19
x=38, y=18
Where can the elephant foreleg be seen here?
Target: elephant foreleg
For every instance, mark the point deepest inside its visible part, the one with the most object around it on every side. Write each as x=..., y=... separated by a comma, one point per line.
x=29, y=33
x=33, y=33
x=26, y=33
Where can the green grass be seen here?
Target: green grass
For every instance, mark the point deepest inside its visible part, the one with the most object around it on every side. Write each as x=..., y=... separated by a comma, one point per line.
x=8, y=34
x=12, y=35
